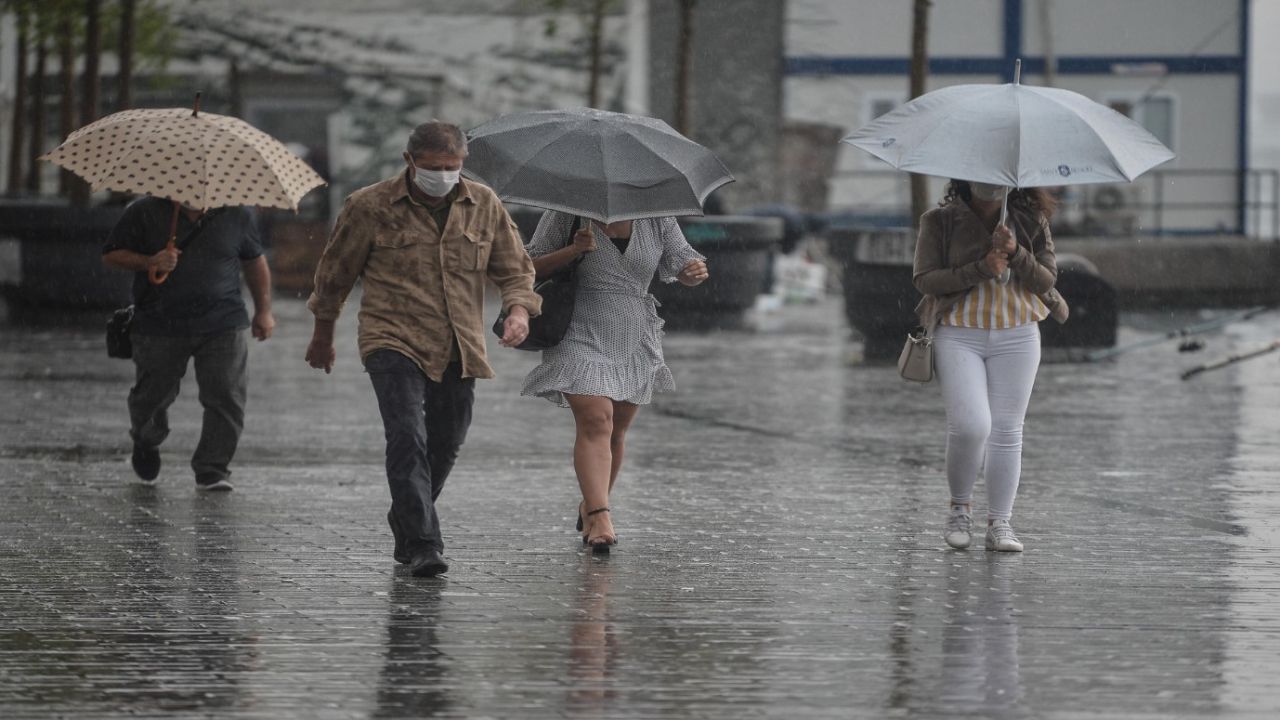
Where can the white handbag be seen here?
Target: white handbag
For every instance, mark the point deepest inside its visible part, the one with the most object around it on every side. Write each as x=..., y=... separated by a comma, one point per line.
x=916, y=361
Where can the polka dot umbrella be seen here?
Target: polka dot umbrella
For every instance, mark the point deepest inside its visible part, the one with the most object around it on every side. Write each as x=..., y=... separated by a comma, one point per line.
x=201, y=160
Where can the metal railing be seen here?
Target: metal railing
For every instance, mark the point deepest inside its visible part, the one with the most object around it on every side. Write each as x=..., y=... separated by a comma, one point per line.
x=1177, y=201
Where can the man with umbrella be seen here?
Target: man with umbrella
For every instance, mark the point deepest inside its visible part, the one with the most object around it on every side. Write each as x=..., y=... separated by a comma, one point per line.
x=201, y=172
x=423, y=242
x=196, y=314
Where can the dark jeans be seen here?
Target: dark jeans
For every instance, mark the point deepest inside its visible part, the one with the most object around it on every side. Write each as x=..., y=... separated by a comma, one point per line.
x=426, y=423
x=161, y=362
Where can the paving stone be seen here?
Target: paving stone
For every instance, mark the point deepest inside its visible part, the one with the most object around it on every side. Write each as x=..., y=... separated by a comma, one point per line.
x=780, y=556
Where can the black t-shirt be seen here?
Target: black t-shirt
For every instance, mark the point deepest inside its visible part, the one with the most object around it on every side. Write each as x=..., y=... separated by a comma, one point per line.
x=202, y=294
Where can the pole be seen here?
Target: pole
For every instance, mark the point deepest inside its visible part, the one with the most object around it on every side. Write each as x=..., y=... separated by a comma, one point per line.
x=919, y=76
x=1231, y=360
x=1182, y=332
x=684, y=65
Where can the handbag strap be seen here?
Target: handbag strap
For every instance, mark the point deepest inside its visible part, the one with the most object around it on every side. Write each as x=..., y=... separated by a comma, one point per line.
x=573, y=229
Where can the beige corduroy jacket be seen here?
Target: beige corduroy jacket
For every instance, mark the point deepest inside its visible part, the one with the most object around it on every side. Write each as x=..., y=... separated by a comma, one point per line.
x=424, y=285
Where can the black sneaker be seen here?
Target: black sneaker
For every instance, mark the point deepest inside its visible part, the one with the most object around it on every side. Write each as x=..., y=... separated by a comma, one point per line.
x=428, y=563
x=146, y=462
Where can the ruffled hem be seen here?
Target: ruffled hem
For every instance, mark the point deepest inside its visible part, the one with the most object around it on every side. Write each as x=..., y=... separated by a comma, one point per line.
x=633, y=383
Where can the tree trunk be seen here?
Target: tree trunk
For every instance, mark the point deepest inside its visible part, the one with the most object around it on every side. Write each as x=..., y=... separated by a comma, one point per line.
x=67, y=103
x=128, y=19
x=684, y=68
x=597, y=49
x=36, y=149
x=19, y=129
x=91, y=84
x=919, y=74
x=235, y=93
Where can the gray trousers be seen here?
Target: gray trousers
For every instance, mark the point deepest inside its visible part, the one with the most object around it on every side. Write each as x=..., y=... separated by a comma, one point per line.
x=426, y=423
x=220, y=362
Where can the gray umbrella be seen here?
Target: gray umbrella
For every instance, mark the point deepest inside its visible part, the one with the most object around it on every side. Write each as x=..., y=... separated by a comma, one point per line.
x=602, y=165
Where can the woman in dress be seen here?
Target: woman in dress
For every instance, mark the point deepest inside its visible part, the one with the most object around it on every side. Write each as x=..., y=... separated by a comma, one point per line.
x=610, y=360
x=987, y=340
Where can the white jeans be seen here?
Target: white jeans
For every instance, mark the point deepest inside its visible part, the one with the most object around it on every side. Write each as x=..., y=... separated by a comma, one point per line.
x=986, y=378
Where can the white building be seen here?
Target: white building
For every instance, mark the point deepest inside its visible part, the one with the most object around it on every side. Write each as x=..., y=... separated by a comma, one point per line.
x=1179, y=67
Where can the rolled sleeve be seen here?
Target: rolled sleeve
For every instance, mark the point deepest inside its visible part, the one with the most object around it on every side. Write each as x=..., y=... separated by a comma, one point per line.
x=510, y=268
x=676, y=251
x=341, y=263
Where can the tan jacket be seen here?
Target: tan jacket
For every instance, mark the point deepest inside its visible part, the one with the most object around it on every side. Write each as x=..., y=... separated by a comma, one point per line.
x=422, y=286
x=949, y=252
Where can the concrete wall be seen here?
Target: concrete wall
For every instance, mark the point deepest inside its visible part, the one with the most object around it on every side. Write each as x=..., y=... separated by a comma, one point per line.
x=736, y=89
x=1228, y=271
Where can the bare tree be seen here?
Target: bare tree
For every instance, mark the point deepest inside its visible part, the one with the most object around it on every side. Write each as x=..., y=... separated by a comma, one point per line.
x=42, y=30
x=919, y=74
x=19, y=127
x=592, y=14
x=684, y=68
x=596, y=33
x=91, y=83
x=67, y=83
x=128, y=30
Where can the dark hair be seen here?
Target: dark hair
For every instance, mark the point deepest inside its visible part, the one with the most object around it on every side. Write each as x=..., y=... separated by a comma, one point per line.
x=437, y=137
x=1035, y=200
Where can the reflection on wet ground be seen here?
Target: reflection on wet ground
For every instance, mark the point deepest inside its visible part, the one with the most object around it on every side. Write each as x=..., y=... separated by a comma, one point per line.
x=780, y=557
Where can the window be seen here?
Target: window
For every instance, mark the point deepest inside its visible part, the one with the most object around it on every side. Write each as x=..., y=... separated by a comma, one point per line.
x=878, y=105
x=1153, y=113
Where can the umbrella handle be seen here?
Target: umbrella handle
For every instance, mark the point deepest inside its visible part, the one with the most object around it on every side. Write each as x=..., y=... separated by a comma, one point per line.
x=159, y=276
x=1003, y=279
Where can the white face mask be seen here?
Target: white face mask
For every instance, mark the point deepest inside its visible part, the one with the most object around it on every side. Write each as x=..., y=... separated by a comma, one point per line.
x=436, y=183
x=985, y=192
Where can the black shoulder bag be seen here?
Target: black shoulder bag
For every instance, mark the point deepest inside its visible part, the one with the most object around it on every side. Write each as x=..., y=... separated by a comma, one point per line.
x=557, y=290
x=118, y=343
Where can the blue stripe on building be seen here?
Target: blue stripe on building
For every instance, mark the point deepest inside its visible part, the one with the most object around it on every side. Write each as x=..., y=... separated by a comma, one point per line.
x=1083, y=65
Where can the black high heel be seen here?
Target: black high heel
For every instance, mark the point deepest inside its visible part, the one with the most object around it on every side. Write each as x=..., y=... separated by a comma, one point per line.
x=578, y=527
x=601, y=548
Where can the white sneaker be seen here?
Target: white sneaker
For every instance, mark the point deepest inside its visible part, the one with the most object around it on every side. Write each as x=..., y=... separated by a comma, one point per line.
x=1000, y=537
x=959, y=525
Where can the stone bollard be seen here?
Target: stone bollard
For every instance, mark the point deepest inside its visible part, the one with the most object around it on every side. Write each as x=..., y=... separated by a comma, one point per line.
x=737, y=248
x=879, y=299
x=59, y=268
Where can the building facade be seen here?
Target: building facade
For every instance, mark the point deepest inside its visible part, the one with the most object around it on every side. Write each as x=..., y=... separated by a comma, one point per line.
x=1178, y=67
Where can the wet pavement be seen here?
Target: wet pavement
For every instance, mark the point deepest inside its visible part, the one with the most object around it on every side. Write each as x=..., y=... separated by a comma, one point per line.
x=780, y=554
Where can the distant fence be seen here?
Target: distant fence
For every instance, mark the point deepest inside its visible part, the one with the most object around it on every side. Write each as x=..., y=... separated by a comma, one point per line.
x=1180, y=201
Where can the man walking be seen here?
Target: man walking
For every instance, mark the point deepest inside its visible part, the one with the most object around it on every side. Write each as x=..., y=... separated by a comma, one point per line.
x=423, y=242
x=197, y=313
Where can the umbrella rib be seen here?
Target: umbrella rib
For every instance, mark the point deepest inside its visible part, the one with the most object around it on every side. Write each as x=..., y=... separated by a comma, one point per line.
x=1096, y=134
x=503, y=166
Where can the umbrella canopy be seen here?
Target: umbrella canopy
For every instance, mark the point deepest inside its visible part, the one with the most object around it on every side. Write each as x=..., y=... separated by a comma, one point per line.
x=1012, y=135
x=202, y=160
x=602, y=165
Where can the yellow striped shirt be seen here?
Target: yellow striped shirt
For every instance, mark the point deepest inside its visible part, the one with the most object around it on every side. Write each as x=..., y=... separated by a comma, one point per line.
x=992, y=306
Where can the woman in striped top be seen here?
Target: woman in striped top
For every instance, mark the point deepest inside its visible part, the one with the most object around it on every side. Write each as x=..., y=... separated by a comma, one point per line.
x=986, y=340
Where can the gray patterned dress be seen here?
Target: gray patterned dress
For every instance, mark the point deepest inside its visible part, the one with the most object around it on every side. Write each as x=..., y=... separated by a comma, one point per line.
x=613, y=347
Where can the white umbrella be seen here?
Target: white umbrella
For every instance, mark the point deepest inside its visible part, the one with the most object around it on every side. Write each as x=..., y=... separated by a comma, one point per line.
x=1012, y=135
